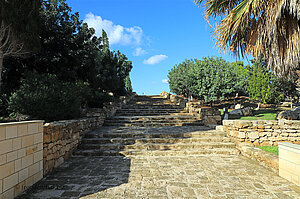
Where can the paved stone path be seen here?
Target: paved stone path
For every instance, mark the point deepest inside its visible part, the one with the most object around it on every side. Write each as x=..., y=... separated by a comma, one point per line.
x=214, y=176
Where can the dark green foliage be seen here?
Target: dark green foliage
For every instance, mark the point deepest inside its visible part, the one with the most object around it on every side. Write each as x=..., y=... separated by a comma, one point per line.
x=263, y=83
x=128, y=84
x=208, y=79
x=46, y=97
x=23, y=18
x=72, y=53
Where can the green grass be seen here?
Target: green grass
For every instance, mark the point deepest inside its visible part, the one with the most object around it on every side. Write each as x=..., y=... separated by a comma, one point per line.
x=271, y=149
x=262, y=116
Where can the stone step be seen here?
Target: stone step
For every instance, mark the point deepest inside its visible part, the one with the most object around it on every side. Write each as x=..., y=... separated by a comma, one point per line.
x=156, y=124
x=151, y=106
x=169, y=135
x=153, y=140
x=150, y=114
x=219, y=128
x=223, y=151
x=157, y=146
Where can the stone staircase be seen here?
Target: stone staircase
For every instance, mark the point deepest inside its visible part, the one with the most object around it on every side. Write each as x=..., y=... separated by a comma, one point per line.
x=152, y=111
x=154, y=127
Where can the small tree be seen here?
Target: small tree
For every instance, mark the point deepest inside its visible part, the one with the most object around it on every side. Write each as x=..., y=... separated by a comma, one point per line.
x=262, y=83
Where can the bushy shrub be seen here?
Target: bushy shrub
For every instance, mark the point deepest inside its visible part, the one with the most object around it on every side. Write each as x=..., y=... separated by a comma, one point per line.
x=44, y=96
x=208, y=79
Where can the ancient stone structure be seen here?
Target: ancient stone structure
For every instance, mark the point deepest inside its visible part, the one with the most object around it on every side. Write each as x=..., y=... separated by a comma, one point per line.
x=21, y=156
x=209, y=116
x=62, y=138
x=129, y=132
x=263, y=132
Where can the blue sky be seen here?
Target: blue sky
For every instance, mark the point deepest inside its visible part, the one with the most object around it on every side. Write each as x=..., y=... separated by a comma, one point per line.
x=154, y=34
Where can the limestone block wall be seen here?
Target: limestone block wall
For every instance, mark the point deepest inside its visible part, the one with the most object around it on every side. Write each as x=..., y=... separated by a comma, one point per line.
x=263, y=132
x=21, y=156
x=289, y=162
x=208, y=115
x=61, y=139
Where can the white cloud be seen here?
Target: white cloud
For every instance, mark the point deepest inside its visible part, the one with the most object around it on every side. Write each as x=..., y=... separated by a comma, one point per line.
x=165, y=81
x=155, y=59
x=139, y=51
x=117, y=34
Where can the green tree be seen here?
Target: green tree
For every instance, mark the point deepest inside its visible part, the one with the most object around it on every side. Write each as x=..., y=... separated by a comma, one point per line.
x=262, y=83
x=208, y=79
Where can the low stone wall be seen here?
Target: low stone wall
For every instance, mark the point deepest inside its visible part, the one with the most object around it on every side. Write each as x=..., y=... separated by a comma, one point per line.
x=21, y=156
x=263, y=132
x=210, y=116
x=62, y=138
x=264, y=158
x=289, y=162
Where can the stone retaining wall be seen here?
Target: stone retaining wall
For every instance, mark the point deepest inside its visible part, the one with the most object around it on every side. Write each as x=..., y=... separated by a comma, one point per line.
x=264, y=158
x=263, y=132
x=62, y=138
x=210, y=116
x=21, y=156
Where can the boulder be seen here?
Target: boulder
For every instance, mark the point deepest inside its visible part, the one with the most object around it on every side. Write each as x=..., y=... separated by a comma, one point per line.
x=290, y=114
x=248, y=111
x=238, y=106
x=236, y=112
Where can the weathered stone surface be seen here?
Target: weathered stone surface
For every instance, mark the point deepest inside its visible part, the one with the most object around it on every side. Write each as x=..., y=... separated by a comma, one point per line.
x=263, y=132
x=162, y=177
x=236, y=112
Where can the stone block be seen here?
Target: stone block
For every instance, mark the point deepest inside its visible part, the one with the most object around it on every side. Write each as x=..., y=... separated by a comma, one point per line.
x=10, y=181
x=29, y=182
x=38, y=138
x=47, y=138
x=33, y=128
x=40, y=127
x=23, y=175
x=31, y=149
x=27, y=161
x=27, y=141
x=33, y=169
x=3, y=159
x=38, y=156
x=22, y=130
x=242, y=124
x=17, y=143
x=18, y=165
x=242, y=135
x=12, y=156
x=2, y=133
x=9, y=194
x=6, y=146
x=21, y=153
x=38, y=176
x=11, y=132
x=253, y=135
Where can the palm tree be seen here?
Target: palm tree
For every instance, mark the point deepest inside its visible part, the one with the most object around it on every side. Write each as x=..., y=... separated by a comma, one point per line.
x=259, y=27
